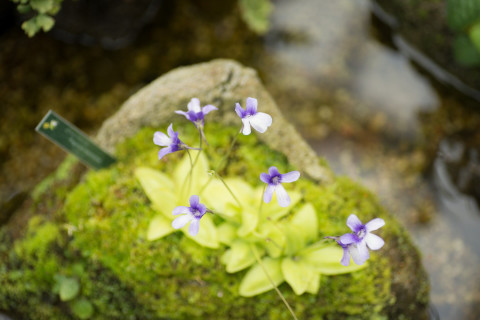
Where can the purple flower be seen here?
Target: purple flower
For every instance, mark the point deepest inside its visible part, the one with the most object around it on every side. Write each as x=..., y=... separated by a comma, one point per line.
x=275, y=180
x=356, y=244
x=193, y=213
x=196, y=114
x=250, y=117
x=171, y=142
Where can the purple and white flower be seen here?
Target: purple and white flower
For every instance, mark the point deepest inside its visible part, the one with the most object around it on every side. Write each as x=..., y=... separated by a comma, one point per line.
x=191, y=214
x=171, y=142
x=196, y=114
x=250, y=117
x=356, y=244
x=274, y=179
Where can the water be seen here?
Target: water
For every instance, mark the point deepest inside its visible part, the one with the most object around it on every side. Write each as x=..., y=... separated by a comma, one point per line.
x=360, y=102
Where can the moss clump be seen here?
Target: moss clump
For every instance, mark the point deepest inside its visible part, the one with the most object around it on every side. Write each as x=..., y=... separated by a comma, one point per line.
x=99, y=237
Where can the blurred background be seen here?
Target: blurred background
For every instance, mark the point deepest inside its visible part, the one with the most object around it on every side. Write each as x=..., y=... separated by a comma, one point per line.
x=388, y=91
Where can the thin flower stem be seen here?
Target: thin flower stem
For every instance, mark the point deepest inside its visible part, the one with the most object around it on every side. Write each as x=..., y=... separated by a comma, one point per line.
x=261, y=201
x=226, y=186
x=219, y=165
x=255, y=253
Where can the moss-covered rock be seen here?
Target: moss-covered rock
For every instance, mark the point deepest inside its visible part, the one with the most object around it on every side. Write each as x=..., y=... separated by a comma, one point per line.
x=95, y=234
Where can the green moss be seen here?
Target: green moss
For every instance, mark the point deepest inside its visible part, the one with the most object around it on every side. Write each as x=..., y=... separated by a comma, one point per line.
x=127, y=277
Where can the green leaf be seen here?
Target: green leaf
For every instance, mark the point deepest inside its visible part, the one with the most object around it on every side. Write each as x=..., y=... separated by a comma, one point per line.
x=42, y=6
x=306, y=220
x=249, y=220
x=274, y=212
x=256, y=14
x=82, y=308
x=326, y=260
x=465, y=52
x=256, y=281
x=314, y=284
x=45, y=22
x=199, y=176
x=159, y=189
x=207, y=234
x=474, y=35
x=239, y=256
x=23, y=8
x=275, y=235
x=159, y=227
x=295, y=239
x=30, y=27
x=226, y=233
x=69, y=288
x=462, y=13
x=298, y=274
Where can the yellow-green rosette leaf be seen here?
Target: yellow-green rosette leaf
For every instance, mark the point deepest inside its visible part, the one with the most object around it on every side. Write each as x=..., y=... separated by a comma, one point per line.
x=199, y=176
x=314, y=284
x=239, y=256
x=249, y=221
x=226, y=233
x=326, y=260
x=275, y=239
x=207, y=234
x=298, y=274
x=256, y=281
x=295, y=239
x=273, y=211
x=306, y=220
x=159, y=189
x=159, y=227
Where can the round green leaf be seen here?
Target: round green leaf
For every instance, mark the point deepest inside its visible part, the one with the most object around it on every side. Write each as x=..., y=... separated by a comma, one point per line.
x=69, y=288
x=159, y=188
x=82, y=308
x=240, y=256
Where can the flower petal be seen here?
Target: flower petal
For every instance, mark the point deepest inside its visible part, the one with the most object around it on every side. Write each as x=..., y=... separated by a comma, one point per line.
x=194, y=201
x=261, y=121
x=163, y=152
x=251, y=106
x=348, y=238
x=202, y=208
x=267, y=196
x=289, y=176
x=206, y=109
x=161, y=139
x=181, y=221
x=346, y=257
x=273, y=171
x=374, y=224
x=170, y=131
x=239, y=110
x=265, y=177
x=359, y=252
x=354, y=223
x=282, y=196
x=180, y=210
x=373, y=241
x=183, y=113
x=194, y=105
x=194, y=227
x=246, y=127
